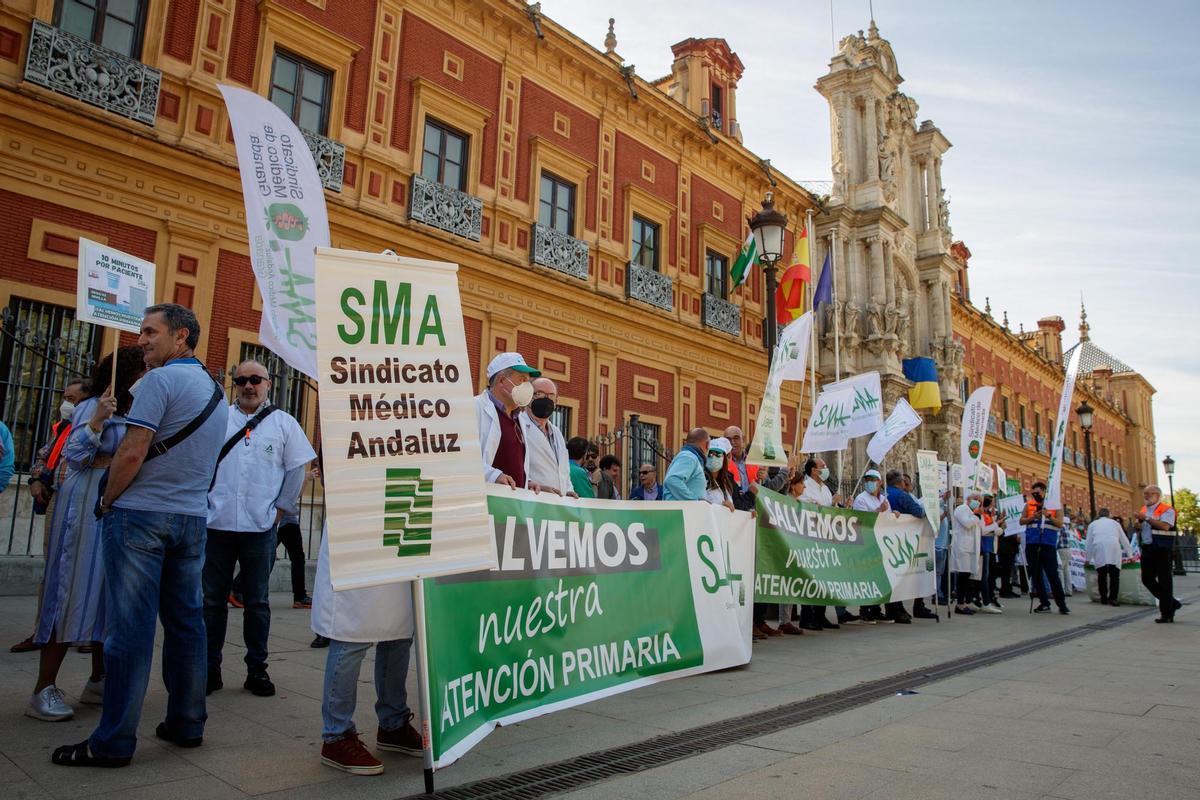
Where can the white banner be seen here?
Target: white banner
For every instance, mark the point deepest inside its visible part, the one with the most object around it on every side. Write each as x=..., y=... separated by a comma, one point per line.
x=1001, y=481
x=1054, y=483
x=829, y=421
x=866, y=413
x=986, y=478
x=899, y=423
x=944, y=476
x=404, y=494
x=929, y=481
x=285, y=219
x=956, y=476
x=1012, y=507
x=112, y=288
x=973, y=436
x=789, y=364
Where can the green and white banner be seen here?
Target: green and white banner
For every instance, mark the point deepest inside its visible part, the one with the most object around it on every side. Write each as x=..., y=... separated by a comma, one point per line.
x=789, y=364
x=400, y=443
x=818, y=555
x=591, y=598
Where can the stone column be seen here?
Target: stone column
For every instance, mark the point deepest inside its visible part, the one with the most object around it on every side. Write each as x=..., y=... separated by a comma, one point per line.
x=937, y=323
x=872, y=139
x=889, y=274
x=878, y=291
x=931, y=200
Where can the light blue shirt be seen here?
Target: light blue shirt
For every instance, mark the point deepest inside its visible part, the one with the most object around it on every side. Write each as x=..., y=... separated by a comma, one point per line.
x=167, y=399
x=685, y=477
x=7, y=457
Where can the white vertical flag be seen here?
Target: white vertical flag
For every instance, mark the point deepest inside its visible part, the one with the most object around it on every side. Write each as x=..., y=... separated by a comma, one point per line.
x=1053, y=484
x=902, y=420
x=866, y=415
x=789, y=363
x=286, y=221
x=973, y=434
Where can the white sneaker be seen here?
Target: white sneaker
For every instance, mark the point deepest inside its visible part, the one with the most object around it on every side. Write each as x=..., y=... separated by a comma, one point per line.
x=49, y=705
x=989, y=610
x=93, y=693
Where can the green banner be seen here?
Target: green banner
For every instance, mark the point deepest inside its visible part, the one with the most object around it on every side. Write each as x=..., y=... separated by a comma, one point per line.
x=818, y=555
x=590, y=598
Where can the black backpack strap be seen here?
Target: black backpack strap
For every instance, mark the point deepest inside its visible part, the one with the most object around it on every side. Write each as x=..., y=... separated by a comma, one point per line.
x=233, y=440
x=158, y=448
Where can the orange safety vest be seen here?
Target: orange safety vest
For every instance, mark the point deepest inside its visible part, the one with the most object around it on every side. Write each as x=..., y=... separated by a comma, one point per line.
x=1159, y=510
x=1031, y=509
x=751, y=472
x=59, y=443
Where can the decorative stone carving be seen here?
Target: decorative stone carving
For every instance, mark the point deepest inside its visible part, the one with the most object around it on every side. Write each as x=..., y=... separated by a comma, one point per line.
x=648, y=286
x=86, y=71
x=443, y=207
x=330, y=156
x=559, y=251
x=850, y=317
x=722, y=315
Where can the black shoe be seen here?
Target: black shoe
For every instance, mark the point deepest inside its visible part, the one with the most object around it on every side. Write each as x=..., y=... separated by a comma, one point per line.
x=164, y=733
x=319, y=641
x=924, y=613
x=1165, y=619
x=259, y=685
x=810, y=626
x=902, y=619
x=847, y=618
x=215, y=684
x=1009, y=595
x=1042, y=609
x=1115, y=604
x=827, y=625
x=965, y=611
x=1178, y=605
x=1064, y=610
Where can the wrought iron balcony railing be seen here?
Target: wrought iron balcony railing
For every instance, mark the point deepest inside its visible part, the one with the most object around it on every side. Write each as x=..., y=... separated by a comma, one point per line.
x=330, y=156
x=441, y=206
x=70, y=65
x=649, y=286
x=1026, y=438
x=722, y=315
x=993, y=424
x=557, y=250
x=1042, y=445
x=1010, y=431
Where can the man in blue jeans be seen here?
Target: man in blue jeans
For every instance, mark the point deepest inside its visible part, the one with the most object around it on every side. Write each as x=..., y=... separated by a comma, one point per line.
x=153, y=532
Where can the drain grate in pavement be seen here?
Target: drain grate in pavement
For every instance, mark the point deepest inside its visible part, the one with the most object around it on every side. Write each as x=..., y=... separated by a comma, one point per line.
x=576, y=773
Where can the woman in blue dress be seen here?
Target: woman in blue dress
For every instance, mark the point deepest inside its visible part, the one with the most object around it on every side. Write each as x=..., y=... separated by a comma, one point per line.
x=73, y=600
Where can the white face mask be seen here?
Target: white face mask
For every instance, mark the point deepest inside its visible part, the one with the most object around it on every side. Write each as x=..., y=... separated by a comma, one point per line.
x=522, y=394
x=824, y=473
x=66, y=409
x=715, y=463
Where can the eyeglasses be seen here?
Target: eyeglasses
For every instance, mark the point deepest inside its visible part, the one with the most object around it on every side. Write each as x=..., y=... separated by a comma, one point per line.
x=646, y=472
x=253, y=380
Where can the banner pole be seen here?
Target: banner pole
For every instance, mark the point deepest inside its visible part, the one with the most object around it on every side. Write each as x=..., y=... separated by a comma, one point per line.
x=418, y=602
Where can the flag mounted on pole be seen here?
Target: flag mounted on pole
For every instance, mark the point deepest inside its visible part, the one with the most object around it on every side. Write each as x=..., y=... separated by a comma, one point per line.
x=824, y=291
x=740, y=271
x=923, y=373
x=789, y=295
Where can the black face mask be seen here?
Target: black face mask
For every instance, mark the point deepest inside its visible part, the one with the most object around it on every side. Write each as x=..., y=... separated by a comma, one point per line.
x=541, y=407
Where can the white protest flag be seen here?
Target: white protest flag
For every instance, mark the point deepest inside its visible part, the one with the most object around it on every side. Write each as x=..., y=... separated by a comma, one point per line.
x=956, y=476
x=112, y=288
x=902, y=420
x=286, y=221
x=404, y=491
x=829, y=421
x=866, y=413
x=789, y=364
x=974, y=431
x=1001, y=481
x=1053, y=484
x=985, y=478
x=943, y=476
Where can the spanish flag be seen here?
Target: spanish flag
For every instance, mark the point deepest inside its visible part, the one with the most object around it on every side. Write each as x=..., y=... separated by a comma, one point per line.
x=924, y=393
x=789, y=295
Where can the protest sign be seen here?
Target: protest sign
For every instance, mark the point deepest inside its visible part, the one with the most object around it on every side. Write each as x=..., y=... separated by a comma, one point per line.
x=404, y=484
x=819, y=555
x=113, y=288
x=929, y=481
x=590, y=598
x=866, y=411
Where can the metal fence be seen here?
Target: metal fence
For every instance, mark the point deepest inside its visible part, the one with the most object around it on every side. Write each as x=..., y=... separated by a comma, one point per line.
x=1187, y=554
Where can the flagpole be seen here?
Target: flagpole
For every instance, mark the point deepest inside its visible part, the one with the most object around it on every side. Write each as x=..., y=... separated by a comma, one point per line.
x=837, y=322
x=812, y=347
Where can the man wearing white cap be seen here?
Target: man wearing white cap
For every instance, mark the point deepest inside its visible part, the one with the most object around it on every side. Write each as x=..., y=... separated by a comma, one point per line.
x=497, y=411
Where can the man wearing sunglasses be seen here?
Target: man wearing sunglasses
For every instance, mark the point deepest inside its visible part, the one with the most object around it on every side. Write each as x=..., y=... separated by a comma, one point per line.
x=648, y=487
x=260, y=472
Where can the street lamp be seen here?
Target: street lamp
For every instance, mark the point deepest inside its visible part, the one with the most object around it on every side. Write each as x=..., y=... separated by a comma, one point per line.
x=768, y=227
x=1169, y=468
x=1085, y=412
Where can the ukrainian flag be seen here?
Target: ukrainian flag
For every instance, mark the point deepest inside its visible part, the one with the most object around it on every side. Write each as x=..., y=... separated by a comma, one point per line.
x=923, y=373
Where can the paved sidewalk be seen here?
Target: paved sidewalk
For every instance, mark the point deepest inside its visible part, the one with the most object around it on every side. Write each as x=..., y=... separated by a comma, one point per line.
x=270, y=746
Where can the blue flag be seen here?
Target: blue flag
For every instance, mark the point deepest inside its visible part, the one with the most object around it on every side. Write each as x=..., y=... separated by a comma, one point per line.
x=824, y=291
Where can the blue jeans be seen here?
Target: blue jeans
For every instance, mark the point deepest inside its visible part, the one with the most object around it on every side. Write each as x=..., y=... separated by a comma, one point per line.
x=256, y=553
x=939, y=558
x=342, y=664
x=152, y=563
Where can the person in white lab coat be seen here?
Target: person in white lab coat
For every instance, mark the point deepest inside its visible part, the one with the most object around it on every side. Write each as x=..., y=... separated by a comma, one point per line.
x=547, y=465
x=965, y=550
x=1106, y=543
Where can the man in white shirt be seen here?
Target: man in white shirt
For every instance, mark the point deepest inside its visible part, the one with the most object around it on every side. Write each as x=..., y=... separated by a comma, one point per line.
x=871, y=498
x=1106, y=543
x=259, y=475
x=547, y=466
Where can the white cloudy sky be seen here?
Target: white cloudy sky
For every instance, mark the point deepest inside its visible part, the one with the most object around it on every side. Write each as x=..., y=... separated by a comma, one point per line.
x=1075, y=155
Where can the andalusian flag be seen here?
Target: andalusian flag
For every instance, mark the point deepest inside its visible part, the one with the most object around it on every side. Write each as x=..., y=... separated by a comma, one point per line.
x=789, y=295
x=740, y=270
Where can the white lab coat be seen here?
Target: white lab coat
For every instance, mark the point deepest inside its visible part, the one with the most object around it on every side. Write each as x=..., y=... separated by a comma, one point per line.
x=865, y=501
x=816, y=491
x=374, y=614
x=546, y=461
x=964, y=548
x=1106, y=542
x=489, y=434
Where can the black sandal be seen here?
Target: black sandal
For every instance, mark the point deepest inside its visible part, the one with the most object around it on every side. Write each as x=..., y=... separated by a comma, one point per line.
x=77, y=755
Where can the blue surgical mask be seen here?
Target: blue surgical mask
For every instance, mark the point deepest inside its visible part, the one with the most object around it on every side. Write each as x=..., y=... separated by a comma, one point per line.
x=871, y=486
x=714, y=463
x=824, y=473
x=974, y=504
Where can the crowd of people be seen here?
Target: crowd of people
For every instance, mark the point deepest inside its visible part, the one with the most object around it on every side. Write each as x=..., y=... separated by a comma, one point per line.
x=156, y=491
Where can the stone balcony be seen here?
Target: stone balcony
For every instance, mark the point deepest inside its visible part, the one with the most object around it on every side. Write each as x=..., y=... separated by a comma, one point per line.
x=75, y=67
x=649, y=286
x=722, y=315
x=330, y=156
x=446, y=208
x=1010, y=431
x=556, y=250
x=1043, y=446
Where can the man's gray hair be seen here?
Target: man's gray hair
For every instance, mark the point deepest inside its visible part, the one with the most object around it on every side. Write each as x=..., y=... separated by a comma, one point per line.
x=176, y=316
x=1102, y=513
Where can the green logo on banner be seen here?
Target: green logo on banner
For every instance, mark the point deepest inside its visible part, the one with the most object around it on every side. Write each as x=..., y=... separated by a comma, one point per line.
x=287, y=221
x=408, y=512
x=973, y=448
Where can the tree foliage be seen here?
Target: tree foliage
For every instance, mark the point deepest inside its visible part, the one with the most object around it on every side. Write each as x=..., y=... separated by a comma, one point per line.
x=1187, y=513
